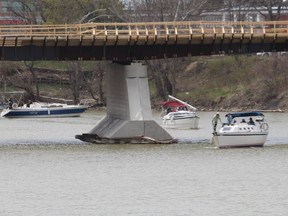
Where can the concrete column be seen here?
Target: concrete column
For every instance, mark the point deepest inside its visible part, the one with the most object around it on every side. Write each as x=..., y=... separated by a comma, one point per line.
x=129, y=117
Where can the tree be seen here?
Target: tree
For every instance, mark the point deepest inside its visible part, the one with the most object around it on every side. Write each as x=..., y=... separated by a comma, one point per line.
x=86, y=81
x=94, y=83
x=19, y=76
x=81, y=11
x=270, y=9
x=75, y=79
x=102, y=11
x=165, y=10
x=66, y=11
x=29, y=11
x=30, y=67
x=237, y=9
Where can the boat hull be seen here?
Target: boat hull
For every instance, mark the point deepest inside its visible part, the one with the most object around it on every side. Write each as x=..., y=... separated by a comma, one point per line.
x=43, y=112
x=239, y=140
x=185, y=123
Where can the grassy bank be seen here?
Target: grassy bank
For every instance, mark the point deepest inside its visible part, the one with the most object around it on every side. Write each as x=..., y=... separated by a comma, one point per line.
x=236, y=83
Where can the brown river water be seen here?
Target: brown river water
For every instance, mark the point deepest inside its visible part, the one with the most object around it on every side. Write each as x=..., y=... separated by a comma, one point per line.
x=44, y=170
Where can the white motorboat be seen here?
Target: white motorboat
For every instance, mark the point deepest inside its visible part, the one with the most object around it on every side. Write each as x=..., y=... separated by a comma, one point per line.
x=243, y=129
x=179, y=115
x=43, y=110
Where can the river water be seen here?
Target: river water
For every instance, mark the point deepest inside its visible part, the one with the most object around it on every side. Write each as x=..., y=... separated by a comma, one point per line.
x=45, y=171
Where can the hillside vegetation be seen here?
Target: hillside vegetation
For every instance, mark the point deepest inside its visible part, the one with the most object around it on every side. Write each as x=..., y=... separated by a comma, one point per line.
x=236, y=83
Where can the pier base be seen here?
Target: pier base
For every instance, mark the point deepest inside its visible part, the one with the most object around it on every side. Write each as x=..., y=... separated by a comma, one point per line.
x=129, y=117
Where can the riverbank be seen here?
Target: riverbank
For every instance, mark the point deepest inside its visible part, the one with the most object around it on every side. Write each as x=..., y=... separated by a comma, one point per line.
x=235, y=83
x=223, y=83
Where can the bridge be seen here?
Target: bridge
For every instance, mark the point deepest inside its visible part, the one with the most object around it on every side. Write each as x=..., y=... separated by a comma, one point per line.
x=139, y=41
x=129, y=117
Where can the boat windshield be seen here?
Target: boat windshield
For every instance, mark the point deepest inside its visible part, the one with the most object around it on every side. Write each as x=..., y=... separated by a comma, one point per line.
x=15, y=96
x=231, y=116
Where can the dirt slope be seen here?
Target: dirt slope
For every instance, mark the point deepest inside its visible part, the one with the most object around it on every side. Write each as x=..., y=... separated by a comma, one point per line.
x=235, y=83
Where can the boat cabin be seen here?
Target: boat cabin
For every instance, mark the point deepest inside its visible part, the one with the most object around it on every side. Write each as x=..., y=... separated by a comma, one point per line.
x=244, y=122
x=246, y=117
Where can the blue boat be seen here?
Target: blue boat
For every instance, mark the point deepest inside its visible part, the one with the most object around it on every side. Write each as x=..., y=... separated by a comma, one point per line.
x=43, y=110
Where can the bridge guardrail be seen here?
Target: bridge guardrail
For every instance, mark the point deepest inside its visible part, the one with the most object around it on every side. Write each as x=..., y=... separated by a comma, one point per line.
x=141, y=32
x=133, y=28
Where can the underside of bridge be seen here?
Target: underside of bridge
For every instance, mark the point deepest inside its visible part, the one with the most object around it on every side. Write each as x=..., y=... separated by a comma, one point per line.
x=129, y=117
x=133, y=53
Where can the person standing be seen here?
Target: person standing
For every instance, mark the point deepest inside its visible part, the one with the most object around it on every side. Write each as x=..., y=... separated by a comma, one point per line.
x=215, y=120
x=29, y=103
x=10, y=103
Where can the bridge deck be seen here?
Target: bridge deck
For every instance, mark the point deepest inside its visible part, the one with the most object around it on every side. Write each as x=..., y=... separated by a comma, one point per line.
x=158, y=34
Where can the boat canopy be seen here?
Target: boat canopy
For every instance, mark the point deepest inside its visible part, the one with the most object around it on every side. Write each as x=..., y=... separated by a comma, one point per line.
x=172, y=104
x=243, y=114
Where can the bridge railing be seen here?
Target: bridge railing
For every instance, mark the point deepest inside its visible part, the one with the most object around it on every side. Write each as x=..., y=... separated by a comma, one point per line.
x=145, y=31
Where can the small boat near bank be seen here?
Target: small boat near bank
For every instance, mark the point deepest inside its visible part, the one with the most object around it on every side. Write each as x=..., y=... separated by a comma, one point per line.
x=178, y=114
x=243, y=129
x=43, y=110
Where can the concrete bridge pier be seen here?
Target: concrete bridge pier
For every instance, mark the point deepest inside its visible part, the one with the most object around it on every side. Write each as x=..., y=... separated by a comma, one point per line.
x=129, y=117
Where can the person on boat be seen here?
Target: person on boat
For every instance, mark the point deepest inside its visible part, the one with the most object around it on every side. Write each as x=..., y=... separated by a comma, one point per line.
x=10, y=103
x=251, y=122
x=215, y=120
x=243, y=121
x=169, y=110
x=29, y=103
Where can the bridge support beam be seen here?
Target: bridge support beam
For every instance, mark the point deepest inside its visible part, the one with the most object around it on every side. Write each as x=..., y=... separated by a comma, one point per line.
x=129, y=117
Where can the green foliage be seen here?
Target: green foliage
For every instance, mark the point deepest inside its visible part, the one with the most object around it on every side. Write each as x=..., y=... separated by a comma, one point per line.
x=207, y=93
x=62, y=11
x=62, y=65
x=53, y=88
x=235, y=81
x=152, y=88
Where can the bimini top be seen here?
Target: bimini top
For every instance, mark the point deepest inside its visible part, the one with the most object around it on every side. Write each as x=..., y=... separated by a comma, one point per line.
x=172, y=104
x=243, y=114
